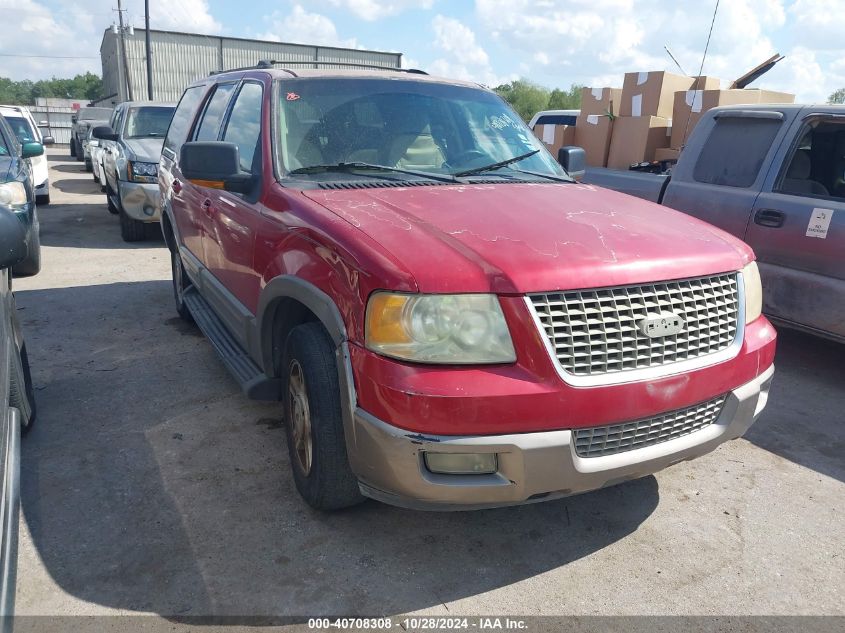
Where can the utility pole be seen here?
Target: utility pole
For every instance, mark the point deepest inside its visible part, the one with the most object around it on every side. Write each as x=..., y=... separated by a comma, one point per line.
x=123, y=51
x=149, y=51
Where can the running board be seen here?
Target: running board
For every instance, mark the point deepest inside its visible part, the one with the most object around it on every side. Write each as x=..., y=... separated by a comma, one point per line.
x=253, y=381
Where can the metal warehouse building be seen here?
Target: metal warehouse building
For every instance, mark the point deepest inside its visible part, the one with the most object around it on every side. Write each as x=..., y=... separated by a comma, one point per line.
x=179, y=59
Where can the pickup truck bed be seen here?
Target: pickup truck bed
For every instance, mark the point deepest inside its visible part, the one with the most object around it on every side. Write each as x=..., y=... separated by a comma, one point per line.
x=772, y=176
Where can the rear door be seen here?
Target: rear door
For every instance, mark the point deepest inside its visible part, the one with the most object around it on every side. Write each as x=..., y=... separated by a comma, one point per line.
x=722, y=169
x=797, y=228
x=176, y=192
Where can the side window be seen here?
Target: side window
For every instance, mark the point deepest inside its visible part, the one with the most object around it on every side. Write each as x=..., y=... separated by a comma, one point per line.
x=816, y=165
x=215, y=110
x=114, y=124
x=735, y=150
x=180, y=124
x=244, y=125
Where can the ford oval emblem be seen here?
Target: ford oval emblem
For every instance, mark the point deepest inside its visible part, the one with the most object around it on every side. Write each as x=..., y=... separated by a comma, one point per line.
x=664, y=324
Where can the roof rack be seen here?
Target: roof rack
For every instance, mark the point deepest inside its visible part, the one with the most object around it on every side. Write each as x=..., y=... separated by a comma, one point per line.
x=270, y=63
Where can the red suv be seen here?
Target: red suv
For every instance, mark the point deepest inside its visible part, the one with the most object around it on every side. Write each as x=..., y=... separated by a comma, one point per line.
x=449, y=319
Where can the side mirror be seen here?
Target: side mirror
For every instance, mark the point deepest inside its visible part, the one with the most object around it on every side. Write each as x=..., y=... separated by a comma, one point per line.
x=105, y=133
x=31, y=150
x=47, y=140
x=43, y=124
x=12, y=239
x=214, y=164
x=574, y=160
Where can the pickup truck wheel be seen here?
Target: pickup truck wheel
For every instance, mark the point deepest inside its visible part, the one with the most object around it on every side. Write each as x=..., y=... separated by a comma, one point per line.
x=72, y=148
x=89, y=166
x=131, y=230
x=181, y=283
x=32, y=264
x=109, y=200
x=314, y=424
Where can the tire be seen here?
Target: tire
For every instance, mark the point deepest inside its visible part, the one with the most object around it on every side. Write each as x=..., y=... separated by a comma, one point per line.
x=113, y=209
x=131, y=230
x=80, y=155
x=22, y=392
x=72, y=148
x=89, y=166
x=32, y=264
x=314, y=423
x=181, y=283
x=43, y=200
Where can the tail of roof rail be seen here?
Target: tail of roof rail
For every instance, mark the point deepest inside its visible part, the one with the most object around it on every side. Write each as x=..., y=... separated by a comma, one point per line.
x=271, y=63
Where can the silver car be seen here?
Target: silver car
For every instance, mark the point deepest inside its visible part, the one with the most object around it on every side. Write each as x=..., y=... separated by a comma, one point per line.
x=131, y=147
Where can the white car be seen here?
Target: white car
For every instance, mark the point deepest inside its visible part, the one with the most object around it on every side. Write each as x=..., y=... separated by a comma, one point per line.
x=555, y=117
x=95, y=149
x=23, y=125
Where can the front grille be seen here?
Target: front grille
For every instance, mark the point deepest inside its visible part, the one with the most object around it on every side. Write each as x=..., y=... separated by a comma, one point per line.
x=617, y=438
x=595, y=332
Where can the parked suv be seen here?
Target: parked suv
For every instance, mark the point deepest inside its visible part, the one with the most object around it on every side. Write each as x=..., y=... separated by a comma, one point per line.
x=130, y=153
x=26, y=130
x=81, y=121
x=449, y=320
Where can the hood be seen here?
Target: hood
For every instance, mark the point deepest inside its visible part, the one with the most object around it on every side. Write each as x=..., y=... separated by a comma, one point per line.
x=144, y=149
x=517, y=238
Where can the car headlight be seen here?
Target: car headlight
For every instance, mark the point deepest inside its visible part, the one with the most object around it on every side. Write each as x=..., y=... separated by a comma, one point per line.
x=12, y=194
x=753, y=292
x=142, y=172
x=447, y=329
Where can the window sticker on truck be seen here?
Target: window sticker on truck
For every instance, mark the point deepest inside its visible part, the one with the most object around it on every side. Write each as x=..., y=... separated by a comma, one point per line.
x=819, y=223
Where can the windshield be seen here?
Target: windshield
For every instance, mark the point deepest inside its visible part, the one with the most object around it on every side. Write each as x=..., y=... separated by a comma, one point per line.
x=22, y=129
x=412, y=125
x=147, y=122
x=94, y=114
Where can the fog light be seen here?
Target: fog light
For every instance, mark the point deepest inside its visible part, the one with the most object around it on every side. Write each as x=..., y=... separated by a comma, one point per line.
x=461, y=463
x=148, y=210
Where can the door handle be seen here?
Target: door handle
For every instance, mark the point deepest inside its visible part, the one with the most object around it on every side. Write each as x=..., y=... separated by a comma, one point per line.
x=207, y=208
x=769, y=217
x=176, y=186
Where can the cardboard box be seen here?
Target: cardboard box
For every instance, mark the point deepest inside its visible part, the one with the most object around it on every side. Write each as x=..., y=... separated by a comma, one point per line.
x=555, y=136
x=705, y=82
x=635, y=140
x=592, y=132
x=653, y=94
x=666, y=153
x=690, y=106
x=600, y=100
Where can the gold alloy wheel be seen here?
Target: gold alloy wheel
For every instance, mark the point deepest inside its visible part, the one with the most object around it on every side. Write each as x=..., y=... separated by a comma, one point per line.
x=301, y=414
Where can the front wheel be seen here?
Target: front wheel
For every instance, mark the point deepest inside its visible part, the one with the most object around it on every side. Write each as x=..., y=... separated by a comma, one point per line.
x=314, y=422
x=131, y=230
x=32, y=264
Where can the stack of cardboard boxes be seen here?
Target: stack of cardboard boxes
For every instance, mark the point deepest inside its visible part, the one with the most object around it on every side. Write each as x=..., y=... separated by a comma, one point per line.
x=651, y=117
x=555, y=136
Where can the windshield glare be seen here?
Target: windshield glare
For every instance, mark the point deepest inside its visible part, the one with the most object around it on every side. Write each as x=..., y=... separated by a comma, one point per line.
x=147, y=122
x=22, y=129
x=431, y=127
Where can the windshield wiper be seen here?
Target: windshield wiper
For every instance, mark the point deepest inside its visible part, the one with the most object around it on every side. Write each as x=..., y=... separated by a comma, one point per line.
x=350, y=167
x=494, y=166
x=542, y=175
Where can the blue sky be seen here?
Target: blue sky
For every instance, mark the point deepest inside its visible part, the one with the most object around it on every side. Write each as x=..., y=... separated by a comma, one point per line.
x=552, y=42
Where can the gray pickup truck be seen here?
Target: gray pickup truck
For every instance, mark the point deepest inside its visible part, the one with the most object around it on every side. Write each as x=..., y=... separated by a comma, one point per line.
x=774, y=176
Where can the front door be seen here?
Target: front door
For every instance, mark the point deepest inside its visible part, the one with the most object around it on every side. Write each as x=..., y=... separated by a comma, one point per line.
x=797, y=228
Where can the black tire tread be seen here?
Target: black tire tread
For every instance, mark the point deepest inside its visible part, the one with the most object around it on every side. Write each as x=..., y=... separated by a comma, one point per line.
x=131, y=230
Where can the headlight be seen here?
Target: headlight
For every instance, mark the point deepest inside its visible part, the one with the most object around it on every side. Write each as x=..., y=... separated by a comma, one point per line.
x=142, y=172
x=448, y=329
x=753, y=292
x=12, y=194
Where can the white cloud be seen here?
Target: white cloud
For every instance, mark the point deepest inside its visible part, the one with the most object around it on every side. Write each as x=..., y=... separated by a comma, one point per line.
x=372, y=10
x=819, y=24
x=300, y=26
x=454, y=38
x=193, y=16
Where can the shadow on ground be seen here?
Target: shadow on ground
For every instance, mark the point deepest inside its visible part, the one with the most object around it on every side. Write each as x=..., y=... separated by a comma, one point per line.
x=804, y=420
x=150, y=483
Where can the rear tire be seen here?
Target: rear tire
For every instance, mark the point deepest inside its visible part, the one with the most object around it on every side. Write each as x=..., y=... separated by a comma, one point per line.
x=22, y=393
x=181, y=284
x=80, y=156
x=131, y=230
x=89, y=166
x=72, y=148
x=113, y=209
x=314, y=422
x=43, y=200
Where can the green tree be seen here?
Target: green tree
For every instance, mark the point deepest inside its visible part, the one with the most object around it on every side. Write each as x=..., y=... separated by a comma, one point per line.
x=525, y=97
x=87, y=87
x=565, y=99
x=838, y=97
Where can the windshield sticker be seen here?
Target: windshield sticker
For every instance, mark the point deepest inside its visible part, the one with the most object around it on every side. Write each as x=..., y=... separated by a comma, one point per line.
x=292, y=96
x=819, y=223
x=501, y=121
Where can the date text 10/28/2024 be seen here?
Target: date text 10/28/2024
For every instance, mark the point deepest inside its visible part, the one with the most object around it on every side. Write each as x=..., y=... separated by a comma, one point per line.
x=421, y=623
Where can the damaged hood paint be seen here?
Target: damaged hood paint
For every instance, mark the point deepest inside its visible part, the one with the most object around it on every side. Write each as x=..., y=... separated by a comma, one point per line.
x=144, y=149
x=517, y=238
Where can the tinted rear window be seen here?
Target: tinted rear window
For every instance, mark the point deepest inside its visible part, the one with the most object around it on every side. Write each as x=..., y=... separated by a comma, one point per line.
x=735, y=151
x=556, y=119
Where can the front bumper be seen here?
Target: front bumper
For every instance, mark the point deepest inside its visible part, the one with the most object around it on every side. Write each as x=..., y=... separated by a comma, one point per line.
x=140, y=201
x=531, y=466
